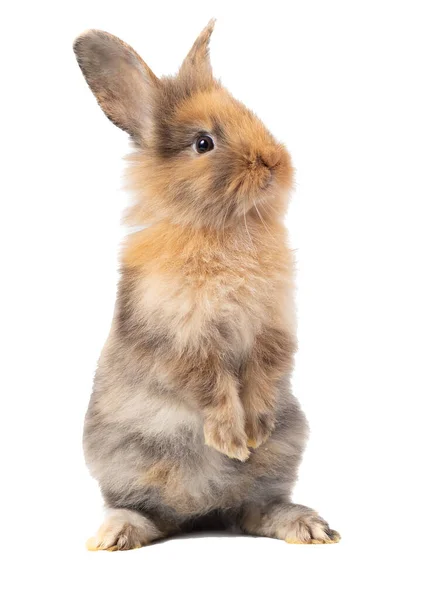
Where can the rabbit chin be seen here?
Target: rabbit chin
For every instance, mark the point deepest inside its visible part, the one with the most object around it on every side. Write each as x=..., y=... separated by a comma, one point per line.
x=267, y=202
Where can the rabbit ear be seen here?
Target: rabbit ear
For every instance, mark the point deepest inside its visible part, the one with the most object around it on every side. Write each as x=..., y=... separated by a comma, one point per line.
x=197, y=66
x=120, y=80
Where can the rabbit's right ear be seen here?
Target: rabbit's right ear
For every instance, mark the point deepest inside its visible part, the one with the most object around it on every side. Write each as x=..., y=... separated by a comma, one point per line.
x=121, y=81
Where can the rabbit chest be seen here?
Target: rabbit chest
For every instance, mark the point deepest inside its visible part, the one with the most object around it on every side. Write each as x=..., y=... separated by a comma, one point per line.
x=220, y=298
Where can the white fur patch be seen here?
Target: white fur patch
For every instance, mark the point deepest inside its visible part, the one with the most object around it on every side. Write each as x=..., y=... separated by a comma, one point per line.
x=149, y=413
x=189, y=311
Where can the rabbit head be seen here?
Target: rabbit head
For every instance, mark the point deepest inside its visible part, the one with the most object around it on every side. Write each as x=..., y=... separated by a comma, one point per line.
x=201, y=157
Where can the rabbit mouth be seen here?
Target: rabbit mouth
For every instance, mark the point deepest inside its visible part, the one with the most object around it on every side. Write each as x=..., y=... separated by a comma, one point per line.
x=267, y=179
x=260, y=175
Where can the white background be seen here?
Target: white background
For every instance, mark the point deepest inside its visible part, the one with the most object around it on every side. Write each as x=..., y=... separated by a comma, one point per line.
x=353, y=89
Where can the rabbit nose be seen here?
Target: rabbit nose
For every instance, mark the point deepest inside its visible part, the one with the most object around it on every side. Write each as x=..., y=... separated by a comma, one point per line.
x=269, y=158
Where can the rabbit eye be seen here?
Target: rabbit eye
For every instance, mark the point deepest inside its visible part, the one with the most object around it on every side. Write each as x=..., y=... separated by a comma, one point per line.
x=204, y=143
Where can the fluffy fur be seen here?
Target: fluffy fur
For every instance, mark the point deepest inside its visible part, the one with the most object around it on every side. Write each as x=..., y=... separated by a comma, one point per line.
x=191, y=419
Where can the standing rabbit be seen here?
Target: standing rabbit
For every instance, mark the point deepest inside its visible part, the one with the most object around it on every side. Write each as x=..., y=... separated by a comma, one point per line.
x=191, y=420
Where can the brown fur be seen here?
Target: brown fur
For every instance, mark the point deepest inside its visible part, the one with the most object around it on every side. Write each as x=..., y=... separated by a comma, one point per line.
x=191, y=415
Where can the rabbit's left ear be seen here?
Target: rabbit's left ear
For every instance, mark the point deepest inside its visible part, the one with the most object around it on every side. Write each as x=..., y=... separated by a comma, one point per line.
x=122, y=83
x=197, y=66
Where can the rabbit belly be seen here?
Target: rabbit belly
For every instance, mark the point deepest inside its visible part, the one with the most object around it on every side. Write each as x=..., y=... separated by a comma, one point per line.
x=149, y=454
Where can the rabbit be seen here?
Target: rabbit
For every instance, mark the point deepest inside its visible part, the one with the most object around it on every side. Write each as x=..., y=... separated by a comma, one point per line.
x=191, y=422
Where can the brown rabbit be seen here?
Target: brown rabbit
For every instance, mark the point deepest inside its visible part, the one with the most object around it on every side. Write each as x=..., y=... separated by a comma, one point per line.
x=191, y=420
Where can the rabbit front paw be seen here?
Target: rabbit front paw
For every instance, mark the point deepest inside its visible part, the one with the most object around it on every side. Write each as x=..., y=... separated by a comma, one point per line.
x=226, y=437
x=258, y=428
